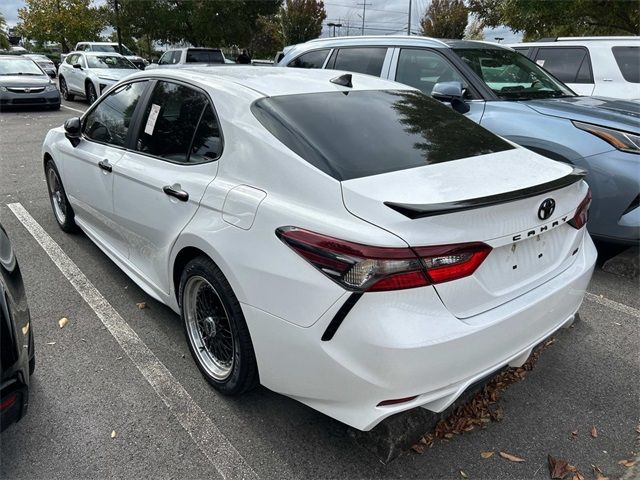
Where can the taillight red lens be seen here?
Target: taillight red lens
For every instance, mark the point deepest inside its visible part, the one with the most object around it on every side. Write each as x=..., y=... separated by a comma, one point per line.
x=8, y=401
x=361, y=268
x=581, y=216
x=451, y=262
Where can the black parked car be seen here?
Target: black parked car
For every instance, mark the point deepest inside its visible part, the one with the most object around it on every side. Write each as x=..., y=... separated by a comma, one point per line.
x=17, y=354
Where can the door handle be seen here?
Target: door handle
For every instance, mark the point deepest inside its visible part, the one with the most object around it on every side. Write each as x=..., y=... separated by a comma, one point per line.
x=173, y=192
x=105, y=165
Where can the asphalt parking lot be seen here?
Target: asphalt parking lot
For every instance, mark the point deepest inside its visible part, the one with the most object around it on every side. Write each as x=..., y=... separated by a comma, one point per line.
x=169, y=423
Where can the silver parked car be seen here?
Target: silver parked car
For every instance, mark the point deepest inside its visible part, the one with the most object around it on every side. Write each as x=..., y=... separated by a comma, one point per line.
x=44, y=63
x=23, y=83
x=513, y=97
x=89, y=74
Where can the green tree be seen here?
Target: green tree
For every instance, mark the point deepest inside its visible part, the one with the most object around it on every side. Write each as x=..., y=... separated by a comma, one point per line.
x=301, y=20
x=552, y=18
x=268, y=38
x=445, y=19
x=63, y=21
x=4, y=40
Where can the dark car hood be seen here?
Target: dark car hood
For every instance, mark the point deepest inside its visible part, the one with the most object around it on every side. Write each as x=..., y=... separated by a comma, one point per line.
x=24, y=80
x=608, y=112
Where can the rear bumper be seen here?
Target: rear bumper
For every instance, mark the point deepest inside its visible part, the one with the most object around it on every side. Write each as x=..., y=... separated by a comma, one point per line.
x=401, y=344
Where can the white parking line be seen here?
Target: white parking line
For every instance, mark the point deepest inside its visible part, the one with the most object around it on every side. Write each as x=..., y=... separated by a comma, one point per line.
x=74, y=109
x=621, y=307
x=213, y=444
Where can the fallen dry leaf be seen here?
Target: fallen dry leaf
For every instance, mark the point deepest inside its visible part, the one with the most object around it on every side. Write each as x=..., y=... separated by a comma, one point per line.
x=141, y=305
x=486, y=454
x=594, y=432
x=574, y=433
x=557, y=467
x=463, y=475
x=419, y=448
x=113, y=434
x=51, y=343
x=62, y=322
x=627, y=463
x=511, y=458
x=599, y=474
x=578, y=476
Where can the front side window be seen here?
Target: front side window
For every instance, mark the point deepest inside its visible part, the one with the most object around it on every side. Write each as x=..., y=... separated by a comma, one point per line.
x=109, y=61
x=82, y=61
x=72, y=59
x=170, y=120
x=567, y=64
x=109, y=122
x=628, y=60
x=422, y=69
x=394, y=130
x=510, y=75
x=367, y=60
x=204, y=56
x=313, y=59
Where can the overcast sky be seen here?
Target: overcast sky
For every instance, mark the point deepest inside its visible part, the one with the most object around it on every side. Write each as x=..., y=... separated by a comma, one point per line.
x=382, y=17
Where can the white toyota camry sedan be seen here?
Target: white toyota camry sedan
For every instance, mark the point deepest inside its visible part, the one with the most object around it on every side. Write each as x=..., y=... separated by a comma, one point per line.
x=340, y=239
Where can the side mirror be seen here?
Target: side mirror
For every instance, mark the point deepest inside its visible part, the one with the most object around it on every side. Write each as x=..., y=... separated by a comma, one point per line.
x=77, y=65
x=73, y=130
x=450, y=92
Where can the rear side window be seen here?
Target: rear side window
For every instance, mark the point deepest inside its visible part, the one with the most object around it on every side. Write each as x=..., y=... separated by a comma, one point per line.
x=523, y=50
x=367, y=60
x=109, y=122
x=361, y=133
x=207, y=142
x=170, y=121
x=628, y=60
x=313, y=59
x=567, y=64
x=204, y=56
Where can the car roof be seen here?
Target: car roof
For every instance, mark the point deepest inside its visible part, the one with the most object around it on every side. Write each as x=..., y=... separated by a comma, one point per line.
x=571, y=41
x=271, y=81
x=95, y=54
x=387, y=41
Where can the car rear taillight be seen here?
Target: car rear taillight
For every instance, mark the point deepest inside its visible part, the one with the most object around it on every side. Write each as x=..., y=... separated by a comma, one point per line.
x=8, y=401
x=362, y=268
x=582, y=212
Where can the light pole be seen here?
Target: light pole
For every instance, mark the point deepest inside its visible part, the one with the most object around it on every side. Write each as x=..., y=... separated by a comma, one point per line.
x=364, y=6
x=334, y=25
x=498, y=39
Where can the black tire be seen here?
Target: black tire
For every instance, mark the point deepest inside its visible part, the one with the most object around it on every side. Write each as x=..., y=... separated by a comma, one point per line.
x=62, y=210
x=55, y=107
x=65, y=91
x=243, y=374
x=91, y=94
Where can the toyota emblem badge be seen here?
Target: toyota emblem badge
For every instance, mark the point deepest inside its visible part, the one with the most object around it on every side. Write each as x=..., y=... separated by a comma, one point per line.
x=546, y=209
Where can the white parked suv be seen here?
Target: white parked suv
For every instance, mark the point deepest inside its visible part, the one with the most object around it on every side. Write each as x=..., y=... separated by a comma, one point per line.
x=89, y=74
x=599, y=66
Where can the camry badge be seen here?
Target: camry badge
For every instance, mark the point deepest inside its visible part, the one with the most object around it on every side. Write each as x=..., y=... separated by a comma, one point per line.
x=27, y=90
x=546, y=209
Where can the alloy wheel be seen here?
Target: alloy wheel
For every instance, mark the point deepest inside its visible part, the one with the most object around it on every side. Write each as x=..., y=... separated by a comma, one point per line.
x=57, y=196
x=209, y=328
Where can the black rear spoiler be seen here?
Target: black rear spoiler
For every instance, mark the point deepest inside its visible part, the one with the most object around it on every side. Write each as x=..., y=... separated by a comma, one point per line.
x=431, y=210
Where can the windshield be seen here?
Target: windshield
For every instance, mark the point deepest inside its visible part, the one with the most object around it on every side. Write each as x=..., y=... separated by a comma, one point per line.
x=512, y=76
x=109, y=61
x=111, y=49
x=19, y=66
x=396, y=130
x=38, y=58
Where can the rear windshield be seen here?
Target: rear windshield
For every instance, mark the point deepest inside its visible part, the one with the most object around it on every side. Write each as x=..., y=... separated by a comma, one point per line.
x=204, y=56
x=357, y=134
x=628, y=59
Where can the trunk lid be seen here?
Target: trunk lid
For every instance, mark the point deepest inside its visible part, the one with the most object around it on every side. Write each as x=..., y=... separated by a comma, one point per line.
x=492, y=198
